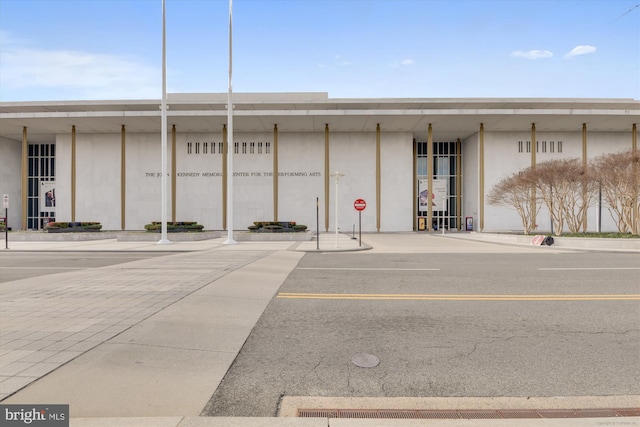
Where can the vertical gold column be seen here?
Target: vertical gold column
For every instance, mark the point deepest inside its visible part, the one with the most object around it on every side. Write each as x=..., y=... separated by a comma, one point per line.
x=123, y=178
x=173, y=173
x=430, y=177
x=378, y=178
x=225, y=147
x=459, y=183
x=275, y=172
x=636, y=209
x=534, y=149
x=73, y=173
x=584, y=145
x=584, y=168
x=25, y=177
x=481, y=188
x=326, y=177
x=415, y=188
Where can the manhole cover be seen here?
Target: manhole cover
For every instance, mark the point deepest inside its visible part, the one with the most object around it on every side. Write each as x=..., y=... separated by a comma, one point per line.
x=365, y=360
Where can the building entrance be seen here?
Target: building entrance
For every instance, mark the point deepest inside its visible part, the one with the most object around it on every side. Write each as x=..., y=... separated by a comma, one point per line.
x=439, y=187
x=41, y=201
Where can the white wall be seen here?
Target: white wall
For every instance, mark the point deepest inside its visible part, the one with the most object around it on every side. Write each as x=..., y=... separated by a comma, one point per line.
x=10, y=177
x=144, y=180
x=301, y=180
x=396, y=152
x=599, y=143
x=470, y=180
x=198, y=180
x=503, y=159
x=63, y=178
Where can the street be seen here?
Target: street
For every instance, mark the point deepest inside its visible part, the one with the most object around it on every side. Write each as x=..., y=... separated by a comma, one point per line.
x=520, y=324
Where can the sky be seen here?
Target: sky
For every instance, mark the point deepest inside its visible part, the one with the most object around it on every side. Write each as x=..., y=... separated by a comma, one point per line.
x=54, y=50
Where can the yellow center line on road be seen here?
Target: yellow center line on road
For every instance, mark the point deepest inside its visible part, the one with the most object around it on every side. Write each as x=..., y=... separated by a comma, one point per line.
x=586, y=268
x=440, y=297
x=367, y=269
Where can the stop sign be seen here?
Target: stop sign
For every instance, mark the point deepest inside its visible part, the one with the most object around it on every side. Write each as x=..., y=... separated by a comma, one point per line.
x=360, y=204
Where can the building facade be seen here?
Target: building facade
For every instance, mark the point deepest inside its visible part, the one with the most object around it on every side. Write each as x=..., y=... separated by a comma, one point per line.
x=420, y=164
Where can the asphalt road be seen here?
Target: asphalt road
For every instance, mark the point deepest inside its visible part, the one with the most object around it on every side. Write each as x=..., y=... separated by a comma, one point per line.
x=442, y=325
x=16, y=265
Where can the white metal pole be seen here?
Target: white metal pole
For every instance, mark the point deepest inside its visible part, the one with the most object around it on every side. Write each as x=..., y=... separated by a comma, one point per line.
x=231, y=144
x=444, y=209
x=163, y=179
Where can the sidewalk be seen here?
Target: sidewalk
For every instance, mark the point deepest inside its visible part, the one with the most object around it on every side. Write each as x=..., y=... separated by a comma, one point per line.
x=146, y=343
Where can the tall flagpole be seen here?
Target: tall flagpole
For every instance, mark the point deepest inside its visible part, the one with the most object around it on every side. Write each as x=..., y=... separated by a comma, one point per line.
x=164, y=240
x=230, y=143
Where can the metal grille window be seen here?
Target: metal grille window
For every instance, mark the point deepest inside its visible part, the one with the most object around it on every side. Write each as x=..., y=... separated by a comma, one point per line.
x=445, y=161
x=41, y=192
x=267, y=147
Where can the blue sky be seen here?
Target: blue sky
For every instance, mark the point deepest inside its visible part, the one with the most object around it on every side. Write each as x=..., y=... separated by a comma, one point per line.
x=112, y=49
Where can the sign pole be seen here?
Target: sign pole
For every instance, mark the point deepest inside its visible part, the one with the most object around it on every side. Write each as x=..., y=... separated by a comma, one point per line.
x=360, y=228
x=317, y=223
x=360, y=205
x=444, y=209
x=5, y=204
x=6, y=228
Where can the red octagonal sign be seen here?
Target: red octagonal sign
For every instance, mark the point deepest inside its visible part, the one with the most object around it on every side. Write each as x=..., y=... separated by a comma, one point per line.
x=360, y=204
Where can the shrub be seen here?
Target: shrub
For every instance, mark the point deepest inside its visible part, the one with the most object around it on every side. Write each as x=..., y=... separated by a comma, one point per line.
x=272, y=227
x=74, y=226
x=175, y=226
x=276, y=226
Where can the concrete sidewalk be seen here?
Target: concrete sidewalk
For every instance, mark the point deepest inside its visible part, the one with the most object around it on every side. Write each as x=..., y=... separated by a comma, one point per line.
x=146, y=343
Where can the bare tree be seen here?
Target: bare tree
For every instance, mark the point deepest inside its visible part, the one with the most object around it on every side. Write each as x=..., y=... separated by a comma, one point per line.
x=618, y=176
x=584, y=191
x=567, y=190
x=551, y=189
x=515, y=191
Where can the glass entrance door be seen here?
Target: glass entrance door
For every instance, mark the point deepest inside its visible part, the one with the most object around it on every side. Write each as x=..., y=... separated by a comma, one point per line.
x=41, y=202
x=446, y=186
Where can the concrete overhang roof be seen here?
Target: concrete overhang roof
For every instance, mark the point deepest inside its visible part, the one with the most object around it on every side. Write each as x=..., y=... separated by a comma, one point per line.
x=451, y=118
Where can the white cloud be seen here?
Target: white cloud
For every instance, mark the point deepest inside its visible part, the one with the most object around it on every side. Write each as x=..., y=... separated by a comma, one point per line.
x=25, y=68
x=404, y=63
x=532, y=54
x=581, y=50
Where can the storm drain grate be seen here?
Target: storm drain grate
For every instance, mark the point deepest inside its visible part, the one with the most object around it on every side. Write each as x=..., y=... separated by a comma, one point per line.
x=467, y=414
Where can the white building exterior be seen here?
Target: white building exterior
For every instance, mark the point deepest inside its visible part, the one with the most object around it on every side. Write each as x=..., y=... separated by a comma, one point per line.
x=103, y=158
